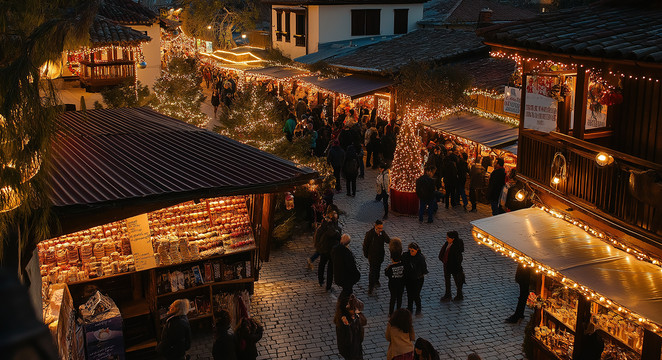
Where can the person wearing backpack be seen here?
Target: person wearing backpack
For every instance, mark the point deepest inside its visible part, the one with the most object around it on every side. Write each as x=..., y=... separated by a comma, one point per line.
x=351, y=170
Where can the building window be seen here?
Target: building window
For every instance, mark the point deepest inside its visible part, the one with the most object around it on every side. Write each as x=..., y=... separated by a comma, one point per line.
x=300, y=29
x=365, y=22
x=287, y=27
x=400, y=21
x=279, y=26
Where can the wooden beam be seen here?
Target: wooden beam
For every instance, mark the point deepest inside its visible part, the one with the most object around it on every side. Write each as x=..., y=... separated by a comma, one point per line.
x=581, y=101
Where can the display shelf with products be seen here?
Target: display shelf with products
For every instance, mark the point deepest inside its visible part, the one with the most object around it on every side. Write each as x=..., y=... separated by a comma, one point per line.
x=557, y=342
x=617, y=329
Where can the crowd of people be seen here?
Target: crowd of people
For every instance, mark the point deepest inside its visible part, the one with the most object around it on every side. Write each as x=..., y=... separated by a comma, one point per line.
x=405, y=271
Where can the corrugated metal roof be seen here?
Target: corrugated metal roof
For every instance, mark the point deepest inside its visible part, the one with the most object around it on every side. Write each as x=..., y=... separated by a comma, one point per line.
x=103, y=157
x=354, y=86
x=478, y=129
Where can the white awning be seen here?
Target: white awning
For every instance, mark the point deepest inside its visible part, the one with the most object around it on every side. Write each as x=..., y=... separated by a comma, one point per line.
x=580, y=257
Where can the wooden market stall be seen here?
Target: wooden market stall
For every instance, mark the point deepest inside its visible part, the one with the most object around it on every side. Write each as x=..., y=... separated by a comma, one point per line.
x=151, y=209
x=580, y=280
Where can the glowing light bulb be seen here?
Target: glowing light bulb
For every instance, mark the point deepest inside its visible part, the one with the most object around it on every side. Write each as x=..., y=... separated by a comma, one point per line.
x=603, y=159
x=520, y=195
x=556, y=180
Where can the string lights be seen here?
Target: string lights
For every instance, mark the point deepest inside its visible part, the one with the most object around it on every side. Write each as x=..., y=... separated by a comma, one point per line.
x=407, y=161
x=591, y=295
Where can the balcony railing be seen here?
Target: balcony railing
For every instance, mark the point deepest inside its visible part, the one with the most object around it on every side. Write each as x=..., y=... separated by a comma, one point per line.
x=600, y=190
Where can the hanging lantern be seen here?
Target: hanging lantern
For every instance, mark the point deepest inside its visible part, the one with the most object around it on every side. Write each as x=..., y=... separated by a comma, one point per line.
x=289, y=201
x=142, y=65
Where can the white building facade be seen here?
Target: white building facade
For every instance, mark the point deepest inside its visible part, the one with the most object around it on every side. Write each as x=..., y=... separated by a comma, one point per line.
x=298, y=28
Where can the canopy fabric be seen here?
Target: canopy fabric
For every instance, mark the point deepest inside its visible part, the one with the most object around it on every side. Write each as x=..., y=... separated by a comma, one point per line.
x=580, y=257
x=277, y=72
x=491, y=133
x=354, y=86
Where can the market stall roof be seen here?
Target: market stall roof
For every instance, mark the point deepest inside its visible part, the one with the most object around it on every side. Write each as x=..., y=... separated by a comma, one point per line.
x=580, y=257
x=607, y=30
x=277, y=72
x=491, y=133
x=354, y=86
x=109, y=164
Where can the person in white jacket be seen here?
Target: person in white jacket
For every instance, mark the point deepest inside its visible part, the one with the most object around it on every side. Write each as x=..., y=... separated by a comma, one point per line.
x=383, y=186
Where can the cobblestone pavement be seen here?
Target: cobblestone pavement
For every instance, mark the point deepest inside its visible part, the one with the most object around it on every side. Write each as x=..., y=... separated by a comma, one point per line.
x=297, y=313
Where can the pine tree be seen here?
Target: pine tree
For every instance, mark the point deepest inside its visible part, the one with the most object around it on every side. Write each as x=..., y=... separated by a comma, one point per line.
x=178, y=92
x=407, y=161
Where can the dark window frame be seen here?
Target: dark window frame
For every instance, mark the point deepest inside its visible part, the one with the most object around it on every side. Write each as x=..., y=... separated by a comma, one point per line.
x=279, y=25
x=366, y=22
x=300, y=28
x=400, y=21
x=288, y=25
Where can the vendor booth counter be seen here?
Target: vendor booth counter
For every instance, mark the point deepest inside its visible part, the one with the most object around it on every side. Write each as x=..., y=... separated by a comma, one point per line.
x=150, y=209
x=582, y=282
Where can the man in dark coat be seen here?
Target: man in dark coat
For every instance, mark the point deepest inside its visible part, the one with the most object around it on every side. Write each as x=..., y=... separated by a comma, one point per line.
x=523, y=279
x=451, y=256
x=425, y=193
x=344, y=265
x=328, y=237
x=373, y=250
x=450, y=179
x=476, y=182
x=176, y=333
x=336, y=158
x=462, y=172
x=346, y=137
x=494, y=187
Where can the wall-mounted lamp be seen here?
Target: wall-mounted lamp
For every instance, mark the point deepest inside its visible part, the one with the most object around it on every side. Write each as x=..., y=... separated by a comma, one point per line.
x=603, y=159
x=521, y=195
x=558, y=169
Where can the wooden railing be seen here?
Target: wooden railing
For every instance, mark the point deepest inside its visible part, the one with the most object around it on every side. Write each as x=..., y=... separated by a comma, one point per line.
x=109, y=73
x=601, y=190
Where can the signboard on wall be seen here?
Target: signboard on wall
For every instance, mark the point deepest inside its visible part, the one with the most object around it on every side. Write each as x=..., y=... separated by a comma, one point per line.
x=141, y=243
x=596, y=119
x=540, y=112
x=512, y=100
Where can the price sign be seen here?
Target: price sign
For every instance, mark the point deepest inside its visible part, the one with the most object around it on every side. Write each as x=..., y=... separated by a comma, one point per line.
x=141, y=242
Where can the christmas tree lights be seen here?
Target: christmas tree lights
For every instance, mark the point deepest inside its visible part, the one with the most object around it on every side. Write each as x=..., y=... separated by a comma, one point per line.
x=407, y=162
x=178, y=92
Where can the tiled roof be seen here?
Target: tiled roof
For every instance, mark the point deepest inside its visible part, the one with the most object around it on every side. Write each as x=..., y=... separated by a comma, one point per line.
x=489, y=73
x=339, y=2
x=614, y=32
x=419, y=45
x=466, y=11
x=107, y=32
x=119, y=159
x=127, y=12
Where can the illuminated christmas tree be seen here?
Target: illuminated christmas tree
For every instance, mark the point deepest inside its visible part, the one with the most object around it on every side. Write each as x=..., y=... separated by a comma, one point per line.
x=407, y=161
x=178, y=92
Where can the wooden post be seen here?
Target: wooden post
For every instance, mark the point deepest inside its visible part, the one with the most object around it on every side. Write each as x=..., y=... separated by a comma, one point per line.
x=266, y=225
x=583, y=318
x=652, y=348
x=393, y=105
x=563, y=111
x=522, y=111
x=581, y=101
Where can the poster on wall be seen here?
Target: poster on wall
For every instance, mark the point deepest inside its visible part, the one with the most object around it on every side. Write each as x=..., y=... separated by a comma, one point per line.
x=540, y=111
x=141, y=242
x=512, y=100
x=596, y=112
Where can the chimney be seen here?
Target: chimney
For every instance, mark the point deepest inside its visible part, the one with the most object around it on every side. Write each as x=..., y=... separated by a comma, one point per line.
x=484, y=17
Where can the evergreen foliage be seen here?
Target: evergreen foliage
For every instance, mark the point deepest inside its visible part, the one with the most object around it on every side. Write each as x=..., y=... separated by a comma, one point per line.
x=178, y=93
x=217, y=20
x=407, y=160
x=33, y=32
x=128, y=94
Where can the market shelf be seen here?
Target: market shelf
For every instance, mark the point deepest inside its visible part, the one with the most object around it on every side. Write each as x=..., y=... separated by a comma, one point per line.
x=617, y=340
x=134, y=308
x=200, y=317
x=228, y=282
x=227, y=252
x=553, y=316
x=102, y=278
x=147, y=344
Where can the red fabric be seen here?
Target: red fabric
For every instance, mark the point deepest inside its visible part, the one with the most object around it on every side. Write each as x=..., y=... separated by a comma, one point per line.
x=404, y=202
